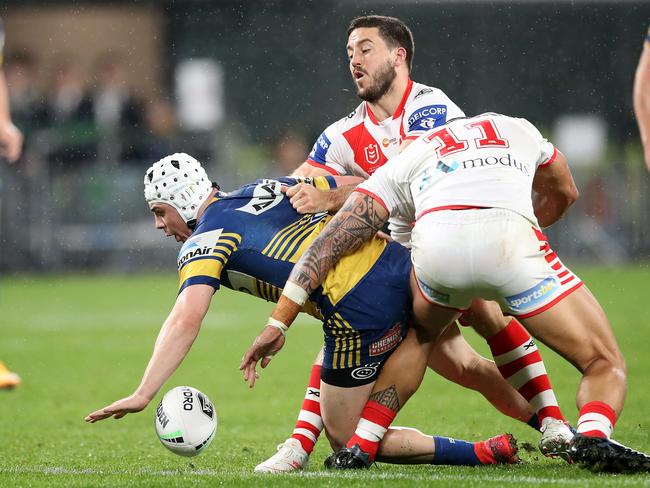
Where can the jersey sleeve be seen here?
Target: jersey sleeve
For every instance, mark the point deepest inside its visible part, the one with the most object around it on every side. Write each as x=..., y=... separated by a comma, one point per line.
x=430, y=108
x=388, y=185
x=203, y=257
x=330, y=152
x=547, y=151
x=320, y=182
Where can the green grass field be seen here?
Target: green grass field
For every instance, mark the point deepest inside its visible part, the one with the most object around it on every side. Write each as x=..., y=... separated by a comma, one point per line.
x=80, y=342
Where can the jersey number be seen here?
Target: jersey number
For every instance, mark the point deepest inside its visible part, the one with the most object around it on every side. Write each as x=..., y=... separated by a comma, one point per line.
x=448, y=143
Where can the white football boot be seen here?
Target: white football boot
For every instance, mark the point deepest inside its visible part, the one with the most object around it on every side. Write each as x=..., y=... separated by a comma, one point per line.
x=290, y=457
x=556, y=438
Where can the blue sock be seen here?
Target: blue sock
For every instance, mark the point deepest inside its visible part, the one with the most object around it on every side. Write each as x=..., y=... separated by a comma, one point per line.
x=534, y=422
x=454, y=452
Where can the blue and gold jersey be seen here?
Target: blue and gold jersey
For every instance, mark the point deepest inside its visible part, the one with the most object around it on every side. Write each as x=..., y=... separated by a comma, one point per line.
x=248, y=240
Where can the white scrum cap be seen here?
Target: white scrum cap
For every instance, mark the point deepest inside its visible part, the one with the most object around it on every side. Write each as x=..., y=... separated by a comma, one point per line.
x=180, y=181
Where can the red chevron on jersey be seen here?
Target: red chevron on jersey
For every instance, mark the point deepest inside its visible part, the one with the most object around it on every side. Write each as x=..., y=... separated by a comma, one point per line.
x=367, y=152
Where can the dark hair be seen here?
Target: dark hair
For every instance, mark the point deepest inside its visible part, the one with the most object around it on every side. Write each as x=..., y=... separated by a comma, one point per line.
x=391, y=30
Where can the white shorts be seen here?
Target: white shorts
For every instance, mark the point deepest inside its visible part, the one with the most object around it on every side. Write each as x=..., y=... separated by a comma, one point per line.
x=493, y=253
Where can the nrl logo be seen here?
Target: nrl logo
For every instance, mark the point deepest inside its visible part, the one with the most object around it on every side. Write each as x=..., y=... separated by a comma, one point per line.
x=372, y=153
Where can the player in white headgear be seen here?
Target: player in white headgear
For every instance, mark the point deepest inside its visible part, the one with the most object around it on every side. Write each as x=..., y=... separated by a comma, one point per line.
x=180, y=181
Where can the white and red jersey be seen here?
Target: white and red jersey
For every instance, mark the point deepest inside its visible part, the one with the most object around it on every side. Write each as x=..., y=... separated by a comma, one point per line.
x=487, y=161
x=359, y=144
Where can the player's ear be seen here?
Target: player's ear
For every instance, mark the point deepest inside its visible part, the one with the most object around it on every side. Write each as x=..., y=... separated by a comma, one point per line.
x=400, y=57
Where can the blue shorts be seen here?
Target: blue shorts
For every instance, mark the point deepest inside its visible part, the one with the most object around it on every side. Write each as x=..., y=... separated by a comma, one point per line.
x=369, y=322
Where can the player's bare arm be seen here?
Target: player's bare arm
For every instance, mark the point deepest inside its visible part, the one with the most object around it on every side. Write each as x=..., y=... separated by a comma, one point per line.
x=172, y=345
x=554, y=191
x=11, y=139
x=642, y=100
x=357, y=222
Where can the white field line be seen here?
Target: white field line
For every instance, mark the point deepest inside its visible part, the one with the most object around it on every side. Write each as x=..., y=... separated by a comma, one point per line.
x=618, y=480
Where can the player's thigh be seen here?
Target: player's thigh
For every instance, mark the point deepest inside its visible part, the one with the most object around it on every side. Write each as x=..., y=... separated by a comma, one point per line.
x=341, y=409
x=577, y=328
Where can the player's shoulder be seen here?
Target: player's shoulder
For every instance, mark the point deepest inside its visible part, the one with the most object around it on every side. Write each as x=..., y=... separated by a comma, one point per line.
x=424, y=94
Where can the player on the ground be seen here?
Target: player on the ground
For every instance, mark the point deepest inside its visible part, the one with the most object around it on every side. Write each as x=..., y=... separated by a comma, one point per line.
x=642, y=97
x=248, y=240
x=395, y=110
x=476, y=235
x=11, y=143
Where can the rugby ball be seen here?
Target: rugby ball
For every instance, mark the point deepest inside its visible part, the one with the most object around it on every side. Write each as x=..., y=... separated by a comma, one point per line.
x=186, y=421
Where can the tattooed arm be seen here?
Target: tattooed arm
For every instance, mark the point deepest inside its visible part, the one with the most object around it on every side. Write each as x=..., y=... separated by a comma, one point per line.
x=357, y=222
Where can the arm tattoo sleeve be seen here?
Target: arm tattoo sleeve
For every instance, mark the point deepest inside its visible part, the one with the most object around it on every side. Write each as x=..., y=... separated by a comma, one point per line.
x=388, y=398
x=359, y=219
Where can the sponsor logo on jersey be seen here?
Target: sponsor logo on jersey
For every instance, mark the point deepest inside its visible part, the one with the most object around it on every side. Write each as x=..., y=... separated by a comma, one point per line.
x=372, y=153
x=506, y=160
x=447, y=168
x=266, y=195
x=424, y=91
x=530, y=298
x=319, y=151
x=433, y=294
x=352, y=114
x=428, y=117
x=198, y=245
x=364, y=372
x=387, y=142
x=388, y=341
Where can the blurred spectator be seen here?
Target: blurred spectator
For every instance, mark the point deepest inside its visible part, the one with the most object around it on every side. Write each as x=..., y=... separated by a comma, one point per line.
x=25, y=99
x=291, y=151
x=114, y=105
x=68, y=100
x=160, y=136
x=69, y=114
x=642, y=98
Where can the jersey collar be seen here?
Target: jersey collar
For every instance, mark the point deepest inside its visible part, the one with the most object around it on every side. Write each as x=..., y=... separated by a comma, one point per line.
x=400, y=107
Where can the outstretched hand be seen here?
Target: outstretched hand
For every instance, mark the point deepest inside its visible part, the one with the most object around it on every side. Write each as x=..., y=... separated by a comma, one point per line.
x=131, y=404
x=264, y=347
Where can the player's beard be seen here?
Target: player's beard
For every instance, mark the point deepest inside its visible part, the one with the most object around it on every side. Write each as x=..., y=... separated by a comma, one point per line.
x=382, y=82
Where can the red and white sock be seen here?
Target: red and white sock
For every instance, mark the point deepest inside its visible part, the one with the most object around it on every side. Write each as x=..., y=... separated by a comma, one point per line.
x=310, y=423
x=597, y=419
x=520, y=363
x=373, y=424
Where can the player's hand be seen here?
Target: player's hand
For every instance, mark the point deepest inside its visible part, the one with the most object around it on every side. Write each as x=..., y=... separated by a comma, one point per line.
x=117, y=410
x=11, y=142
x=307, y=199
x=264, y=347
x=384, y=236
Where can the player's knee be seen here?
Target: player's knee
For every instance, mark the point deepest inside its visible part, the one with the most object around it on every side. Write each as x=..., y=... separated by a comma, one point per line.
x=337, y=440
x=609, y=358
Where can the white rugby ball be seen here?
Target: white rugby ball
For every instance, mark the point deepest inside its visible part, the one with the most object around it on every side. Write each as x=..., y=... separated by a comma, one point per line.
x=185, y=421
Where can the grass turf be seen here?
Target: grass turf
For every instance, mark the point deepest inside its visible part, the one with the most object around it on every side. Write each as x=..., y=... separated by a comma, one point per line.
x=80, y=342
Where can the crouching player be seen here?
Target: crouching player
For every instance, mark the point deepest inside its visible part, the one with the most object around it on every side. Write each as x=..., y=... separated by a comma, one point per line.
x=248, y=240
x=480, y=188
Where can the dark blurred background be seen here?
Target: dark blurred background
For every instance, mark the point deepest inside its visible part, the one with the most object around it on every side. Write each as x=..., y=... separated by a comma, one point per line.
x=103, y=89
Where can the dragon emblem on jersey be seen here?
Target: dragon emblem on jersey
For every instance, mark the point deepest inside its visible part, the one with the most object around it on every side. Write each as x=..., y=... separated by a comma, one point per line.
x=372, y=153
